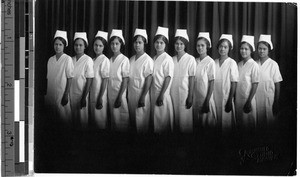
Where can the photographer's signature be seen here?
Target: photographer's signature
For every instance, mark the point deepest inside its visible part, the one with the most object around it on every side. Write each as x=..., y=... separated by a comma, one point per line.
x=258, y=155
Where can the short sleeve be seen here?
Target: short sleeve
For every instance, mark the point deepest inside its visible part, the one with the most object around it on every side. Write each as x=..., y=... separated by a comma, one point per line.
x=255, y=73
x=277, y=75
x=192, y=66
x=211, y=70
x=69, y=68
x=104, y=69
x=168, y=67
x=234, y=72
x=148, y=67
x=125, y=68
x=89, y=70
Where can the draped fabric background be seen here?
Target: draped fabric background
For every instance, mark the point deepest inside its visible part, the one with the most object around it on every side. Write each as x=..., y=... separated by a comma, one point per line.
x=236, y=18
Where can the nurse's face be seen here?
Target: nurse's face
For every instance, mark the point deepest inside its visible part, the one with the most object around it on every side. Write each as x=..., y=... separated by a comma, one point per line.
x=224, y=48
x=263, y=50
x=58, y=46
x=201, y=47
x=245, y=51
x=159, y=45
x=179, y=46
x=115, y=45
x=79, y=46
x=139, y=45
x=98, y=47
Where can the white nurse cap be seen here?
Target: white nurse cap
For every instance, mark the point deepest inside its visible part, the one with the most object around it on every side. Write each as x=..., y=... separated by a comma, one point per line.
x=163, y=31
x=141, y=32
x=118, y=33
x=206, y=36
x=266, y=38
x=62, y=34
x=228, y=37
x=81, y=35
x=102, y=34
x=182, y=33
x=249, y=40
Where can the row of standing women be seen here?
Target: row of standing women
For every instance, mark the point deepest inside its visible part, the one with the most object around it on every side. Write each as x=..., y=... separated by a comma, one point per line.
x=169, y=94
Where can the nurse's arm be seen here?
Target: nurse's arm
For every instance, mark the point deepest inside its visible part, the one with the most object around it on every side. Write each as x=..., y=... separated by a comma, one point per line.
x=189, y=100
x=160, y=98
x=101, y=93
x=276, y=98
x=228, y=106
x=64, y=99
x=121, y=91
x=210, y=90
x=247, y=107
x=86, y=91
x=146, y=88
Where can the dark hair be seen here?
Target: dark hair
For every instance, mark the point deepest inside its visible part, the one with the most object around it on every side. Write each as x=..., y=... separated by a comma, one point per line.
x=250, y=46
x=62, y=40
x=85, y=44
x=225, y=40
x=104, y=42
x=266, y=44
x=162, y=37
x=143, y=38
x=185, y=42
x=119, y=39
x=208, y=46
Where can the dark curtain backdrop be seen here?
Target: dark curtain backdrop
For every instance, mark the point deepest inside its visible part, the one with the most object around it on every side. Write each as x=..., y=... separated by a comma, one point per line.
x=236, y=18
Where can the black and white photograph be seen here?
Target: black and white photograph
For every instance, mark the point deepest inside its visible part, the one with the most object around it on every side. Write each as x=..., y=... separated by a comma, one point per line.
x=165, y=87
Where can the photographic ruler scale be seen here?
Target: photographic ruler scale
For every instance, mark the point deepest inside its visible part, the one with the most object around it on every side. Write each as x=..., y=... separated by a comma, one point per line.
x=17, y=61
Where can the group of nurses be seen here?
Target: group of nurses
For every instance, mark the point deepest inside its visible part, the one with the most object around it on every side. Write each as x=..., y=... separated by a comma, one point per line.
x=245, y=93
x=168, y=94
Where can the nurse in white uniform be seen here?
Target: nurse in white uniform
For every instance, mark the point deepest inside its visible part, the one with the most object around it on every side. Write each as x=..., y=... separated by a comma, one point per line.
x=83, y=77
x=98, y=94
x=140, y=78
x=204, y=108
x=161, y=103
x=182, y=87
x=59, y=77
x=227, y=76
x=246, y=87
x=268, y=90
x=117, y=85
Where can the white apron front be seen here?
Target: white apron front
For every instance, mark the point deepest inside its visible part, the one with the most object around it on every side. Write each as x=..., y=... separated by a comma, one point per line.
x=118, y=70
x=139, y=69
x=183, y=69
x=225, y=74
x=101, y=71
x=205, y=72
x=269, y=75
x=58, y=73
x=248, y=74
x=83, y=69
x=162, y=116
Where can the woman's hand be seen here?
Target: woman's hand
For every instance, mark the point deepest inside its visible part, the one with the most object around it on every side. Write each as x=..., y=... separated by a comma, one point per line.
x=247, y=107
x=141, y=102
x=64, y=100
x=159, y=101
x=99, y=103
x=275, y=107
x=228, y=106
x=205, y=107
x=118, y=102
x=83, y=103
x=189, y=102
